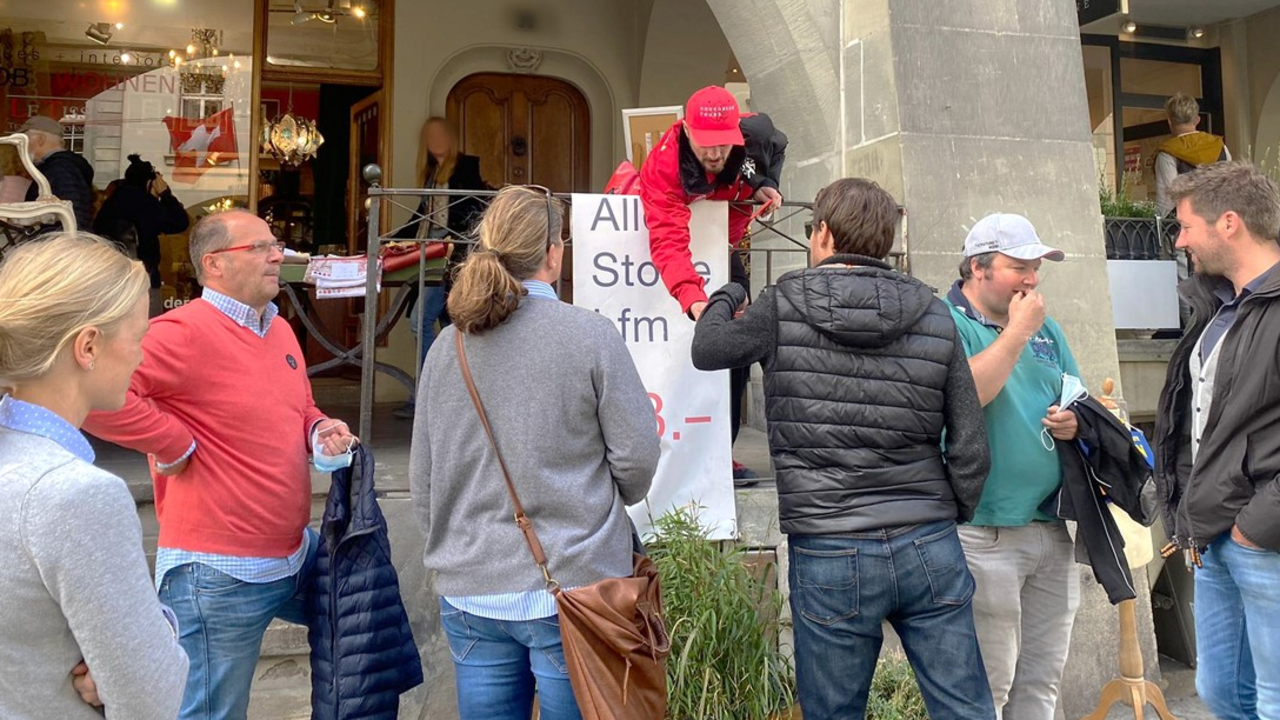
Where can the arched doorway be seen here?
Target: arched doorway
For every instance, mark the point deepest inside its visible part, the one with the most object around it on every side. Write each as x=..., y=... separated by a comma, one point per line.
x=525, y=129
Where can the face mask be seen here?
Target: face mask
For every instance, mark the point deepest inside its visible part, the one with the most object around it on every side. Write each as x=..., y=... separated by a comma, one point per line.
x=330, y=463
x=1073, y=390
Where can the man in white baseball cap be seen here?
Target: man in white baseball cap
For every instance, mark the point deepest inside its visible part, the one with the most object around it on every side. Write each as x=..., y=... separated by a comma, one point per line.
x=1022, y=558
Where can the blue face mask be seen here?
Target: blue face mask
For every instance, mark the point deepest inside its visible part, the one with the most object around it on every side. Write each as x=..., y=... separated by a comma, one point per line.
x=1073, y=390
x=330, y=463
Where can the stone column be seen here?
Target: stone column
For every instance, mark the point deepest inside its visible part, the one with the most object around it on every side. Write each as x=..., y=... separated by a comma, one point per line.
x=959, y=108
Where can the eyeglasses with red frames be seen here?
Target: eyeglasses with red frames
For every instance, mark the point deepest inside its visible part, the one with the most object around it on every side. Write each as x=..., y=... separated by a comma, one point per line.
x=259, y=248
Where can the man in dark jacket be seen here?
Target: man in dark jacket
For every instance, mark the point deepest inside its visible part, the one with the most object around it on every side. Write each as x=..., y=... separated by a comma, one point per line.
x=1021, y=555
x=863, y=373
x=1218, y=435
x=70, y=176
x=145, y=204
x=714, y=153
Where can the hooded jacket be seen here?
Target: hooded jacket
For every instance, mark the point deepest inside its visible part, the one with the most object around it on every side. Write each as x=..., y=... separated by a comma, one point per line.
x=863, y=374
x=70, y=178
x=1101, y=467
x=1235, y=479
x=672, y=178
x=1194, y=150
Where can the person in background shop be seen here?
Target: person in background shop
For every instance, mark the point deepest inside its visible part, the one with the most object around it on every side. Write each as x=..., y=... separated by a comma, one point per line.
x=144, y=206
x=70, y=176
x=577, y=432
x=81, y=629
x=1188, y=149
x=714, y=153
x=442, y=217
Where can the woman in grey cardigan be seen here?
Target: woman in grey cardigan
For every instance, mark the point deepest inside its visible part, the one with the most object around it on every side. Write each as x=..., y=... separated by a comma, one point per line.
x=81, y=629
x=577, y=431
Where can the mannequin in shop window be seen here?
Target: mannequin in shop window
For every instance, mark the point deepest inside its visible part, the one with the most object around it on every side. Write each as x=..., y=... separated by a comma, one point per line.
x=443, y=217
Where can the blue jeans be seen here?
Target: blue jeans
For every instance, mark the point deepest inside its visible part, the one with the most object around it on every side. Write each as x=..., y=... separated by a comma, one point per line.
x=1237, y=613
x=430, y=307
x=844, y=586
x=499, y=664
x=221, y=621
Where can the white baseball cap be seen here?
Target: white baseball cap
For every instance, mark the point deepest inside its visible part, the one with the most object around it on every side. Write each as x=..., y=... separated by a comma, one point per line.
x=1011, y=235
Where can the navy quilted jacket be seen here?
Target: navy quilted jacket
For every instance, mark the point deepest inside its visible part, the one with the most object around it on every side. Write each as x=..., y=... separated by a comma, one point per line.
x=362, y=651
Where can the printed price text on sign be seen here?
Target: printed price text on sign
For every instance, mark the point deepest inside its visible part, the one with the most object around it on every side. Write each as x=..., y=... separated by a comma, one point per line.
x=662, y=424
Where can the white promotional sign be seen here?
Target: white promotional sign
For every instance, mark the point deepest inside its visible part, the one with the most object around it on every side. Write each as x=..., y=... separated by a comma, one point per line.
x=614, y=276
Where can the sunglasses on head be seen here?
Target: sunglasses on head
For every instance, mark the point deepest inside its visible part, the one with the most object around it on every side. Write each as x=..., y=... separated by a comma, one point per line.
x=547, y=194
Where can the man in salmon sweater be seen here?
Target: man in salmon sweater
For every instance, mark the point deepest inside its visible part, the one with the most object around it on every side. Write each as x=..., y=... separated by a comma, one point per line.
x=714, y=153
x=222, y=406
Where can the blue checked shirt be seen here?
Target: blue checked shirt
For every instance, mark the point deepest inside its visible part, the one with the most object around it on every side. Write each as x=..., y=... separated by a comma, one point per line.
x=529, y=604
x=246, y=569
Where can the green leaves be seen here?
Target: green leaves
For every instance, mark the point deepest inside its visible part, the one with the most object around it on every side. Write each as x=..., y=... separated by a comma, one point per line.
x=726, y=662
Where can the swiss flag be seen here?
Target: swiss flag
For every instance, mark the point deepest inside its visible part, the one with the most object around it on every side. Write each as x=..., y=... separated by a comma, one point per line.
x=198, y=145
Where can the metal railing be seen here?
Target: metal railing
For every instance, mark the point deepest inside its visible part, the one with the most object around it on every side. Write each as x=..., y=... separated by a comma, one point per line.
x=1150, y=238
x=785, y=224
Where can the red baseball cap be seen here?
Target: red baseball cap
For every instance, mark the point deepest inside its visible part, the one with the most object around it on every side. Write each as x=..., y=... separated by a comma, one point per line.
x=712, y=117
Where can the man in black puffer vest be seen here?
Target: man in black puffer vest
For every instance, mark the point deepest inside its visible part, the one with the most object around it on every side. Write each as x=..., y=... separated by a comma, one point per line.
x=863, y=373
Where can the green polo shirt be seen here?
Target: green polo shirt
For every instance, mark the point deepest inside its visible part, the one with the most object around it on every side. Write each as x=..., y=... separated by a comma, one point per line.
x=1023, y=474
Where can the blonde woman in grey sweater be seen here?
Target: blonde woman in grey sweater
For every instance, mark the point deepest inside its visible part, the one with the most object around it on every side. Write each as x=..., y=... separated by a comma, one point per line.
x=577, y=431
x=81, y=630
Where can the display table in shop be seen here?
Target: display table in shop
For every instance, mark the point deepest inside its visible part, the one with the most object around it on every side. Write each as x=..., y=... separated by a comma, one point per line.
x=402, y=281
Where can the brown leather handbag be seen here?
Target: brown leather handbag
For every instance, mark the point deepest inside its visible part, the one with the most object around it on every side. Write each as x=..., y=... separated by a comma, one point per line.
x=615, y=641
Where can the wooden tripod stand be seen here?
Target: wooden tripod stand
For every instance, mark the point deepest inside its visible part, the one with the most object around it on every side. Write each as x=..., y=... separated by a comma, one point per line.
x=1131, y=688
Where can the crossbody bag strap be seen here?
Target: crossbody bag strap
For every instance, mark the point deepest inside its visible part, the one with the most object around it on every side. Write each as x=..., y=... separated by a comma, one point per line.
x=522, y=520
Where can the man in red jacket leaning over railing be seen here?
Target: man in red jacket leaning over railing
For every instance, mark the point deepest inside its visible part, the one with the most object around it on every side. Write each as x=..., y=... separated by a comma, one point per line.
x=714, y=153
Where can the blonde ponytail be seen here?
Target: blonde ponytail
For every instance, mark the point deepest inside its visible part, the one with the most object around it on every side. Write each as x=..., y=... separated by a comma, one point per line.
x=515, y=233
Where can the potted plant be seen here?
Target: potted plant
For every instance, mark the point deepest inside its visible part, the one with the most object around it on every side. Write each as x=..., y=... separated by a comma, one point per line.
x=726, y=662
x=1133, y=230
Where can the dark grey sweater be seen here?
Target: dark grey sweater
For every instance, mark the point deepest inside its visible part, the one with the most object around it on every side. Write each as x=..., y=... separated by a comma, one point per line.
x=863, y=375
x=577, y=431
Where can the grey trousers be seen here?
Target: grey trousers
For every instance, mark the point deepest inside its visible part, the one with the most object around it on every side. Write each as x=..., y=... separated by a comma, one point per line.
x=1026, y=600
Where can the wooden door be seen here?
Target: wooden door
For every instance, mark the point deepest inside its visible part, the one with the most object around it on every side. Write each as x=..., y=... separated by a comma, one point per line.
x=366, y=147
x=526, y=129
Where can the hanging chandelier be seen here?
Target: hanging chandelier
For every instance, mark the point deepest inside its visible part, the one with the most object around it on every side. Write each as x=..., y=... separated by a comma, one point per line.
x=291, y=139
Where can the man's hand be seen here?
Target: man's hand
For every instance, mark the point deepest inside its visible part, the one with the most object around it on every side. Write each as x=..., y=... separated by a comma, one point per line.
x=1026, y=313
x=770, y=197
x=82, y=681
x=158, y=185
x=1240, y=539
x=171, y=471
x=696, y=309
x=1062, y=424
x=335, y=438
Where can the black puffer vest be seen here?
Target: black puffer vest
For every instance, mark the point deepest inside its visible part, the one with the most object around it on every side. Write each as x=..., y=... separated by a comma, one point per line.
x=855, y=395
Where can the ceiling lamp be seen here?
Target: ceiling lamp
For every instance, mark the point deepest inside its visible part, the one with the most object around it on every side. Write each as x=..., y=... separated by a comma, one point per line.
x=1129, y=26
x=204, y=44
x=99, y=32
x=290, y=138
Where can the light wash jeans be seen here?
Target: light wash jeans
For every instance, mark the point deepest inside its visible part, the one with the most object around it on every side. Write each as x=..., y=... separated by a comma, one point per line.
x=500, y=664
x=221, y=622
x=1237, y=612
x=1025, y=605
